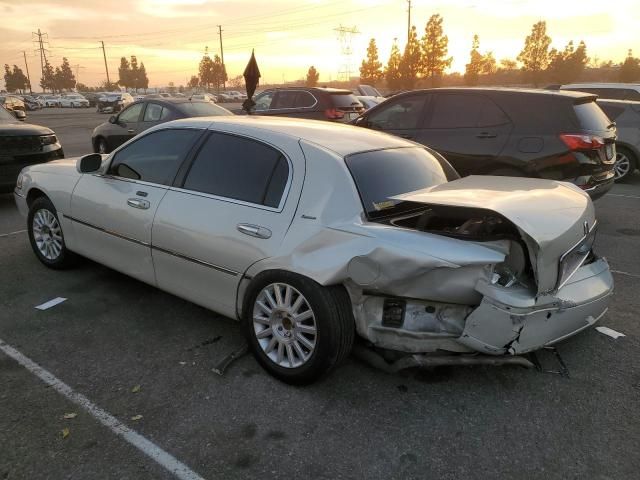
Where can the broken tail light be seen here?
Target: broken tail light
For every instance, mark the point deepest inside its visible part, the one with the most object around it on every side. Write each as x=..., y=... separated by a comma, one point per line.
x=333, y=114
x=582, y=142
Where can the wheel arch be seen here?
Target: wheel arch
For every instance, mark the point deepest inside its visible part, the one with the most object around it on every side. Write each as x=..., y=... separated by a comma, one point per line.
x=33, y=194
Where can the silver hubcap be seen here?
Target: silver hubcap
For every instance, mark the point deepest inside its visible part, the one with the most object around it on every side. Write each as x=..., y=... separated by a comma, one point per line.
x=47, y=234
x=284, y=325
x=622, y=165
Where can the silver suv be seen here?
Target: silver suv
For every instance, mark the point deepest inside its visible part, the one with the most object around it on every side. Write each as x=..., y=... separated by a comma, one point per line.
x=612, y=91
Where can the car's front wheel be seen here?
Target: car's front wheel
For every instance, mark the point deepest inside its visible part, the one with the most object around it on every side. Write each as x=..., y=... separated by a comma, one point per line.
x=625, y=164
x=297, y=329
x=45, y=235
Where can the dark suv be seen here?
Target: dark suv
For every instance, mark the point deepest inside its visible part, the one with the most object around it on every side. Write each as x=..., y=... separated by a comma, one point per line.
x=309, y=102
x=510, y=132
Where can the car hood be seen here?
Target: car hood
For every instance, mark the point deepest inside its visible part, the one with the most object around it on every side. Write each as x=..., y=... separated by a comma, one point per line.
x=22, y=130
x=550, y=215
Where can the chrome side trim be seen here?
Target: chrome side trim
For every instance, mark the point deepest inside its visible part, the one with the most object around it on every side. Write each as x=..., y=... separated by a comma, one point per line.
x=160, y=249
x=109, y=232
x=195, y=260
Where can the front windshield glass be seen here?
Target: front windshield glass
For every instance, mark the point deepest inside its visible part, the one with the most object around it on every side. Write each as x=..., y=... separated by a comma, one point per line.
x=382, y=174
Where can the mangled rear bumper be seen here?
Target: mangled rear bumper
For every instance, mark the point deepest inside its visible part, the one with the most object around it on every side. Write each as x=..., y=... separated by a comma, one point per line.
x=509, y=322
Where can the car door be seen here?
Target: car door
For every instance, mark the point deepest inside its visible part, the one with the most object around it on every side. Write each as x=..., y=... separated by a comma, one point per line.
x=231, y=210
x=400, y=116
x=126, y=126
x=468, y=129
x=283, y=103
x=112, y=212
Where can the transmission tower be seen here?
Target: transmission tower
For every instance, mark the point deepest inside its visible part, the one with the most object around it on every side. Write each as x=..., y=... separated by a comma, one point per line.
x=41, y=39
x=345, y=36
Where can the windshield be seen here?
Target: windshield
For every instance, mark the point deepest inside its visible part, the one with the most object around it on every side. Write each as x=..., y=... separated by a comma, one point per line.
x=202, y=109
x=382, y=174
x=5, y=116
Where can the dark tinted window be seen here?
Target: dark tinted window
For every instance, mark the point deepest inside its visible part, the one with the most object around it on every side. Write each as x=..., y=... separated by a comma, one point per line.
x=382, y=174
x=400, y=114
x=202, y=109
x=155, y=157
x=591, y=117
x=305, y=100
x=632, y=95
x=286, y=99
x=239, y=168
x=347, y=100
x=465, y=111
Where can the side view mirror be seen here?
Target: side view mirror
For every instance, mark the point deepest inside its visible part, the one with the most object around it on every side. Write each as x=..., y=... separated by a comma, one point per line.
x=113, y=119
x=89, y=163
x=19, y=114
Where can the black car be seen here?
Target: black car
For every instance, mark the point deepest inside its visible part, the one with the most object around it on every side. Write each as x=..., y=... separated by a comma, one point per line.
x=626, y=114
x=506, y=131
x=309, y=102
x=92, y=97
x=146, y=113
x=15, y=105
x=113, y=102
x=23, y=144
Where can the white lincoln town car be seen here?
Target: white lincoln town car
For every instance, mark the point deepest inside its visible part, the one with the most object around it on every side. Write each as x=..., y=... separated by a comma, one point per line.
x=309, y=233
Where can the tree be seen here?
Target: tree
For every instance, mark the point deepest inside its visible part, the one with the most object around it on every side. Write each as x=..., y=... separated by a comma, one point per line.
x=630, y=69
x=205, y=69
x=143, y=79
x=64, y=77
x=508, y=65
x=312, y=77
x=535, y=54
x=219, y=72
x=392, y=71
x=489, y=65
x=567, y=65
x=134, y=73
x=371, y=68
x=124, y=73
x=410, y=63
x=474, y=67
x=194, y=81
x=15, y=79
x=237, y=82
x=81, y=87
x=435, y=47
x=48, y=80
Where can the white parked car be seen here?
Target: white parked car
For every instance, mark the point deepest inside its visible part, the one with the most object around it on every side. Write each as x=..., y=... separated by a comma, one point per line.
x=47, y=101
x=231, y=96
x=207, y=97
x=73, y=100
x=611, y=91
x=310, y=232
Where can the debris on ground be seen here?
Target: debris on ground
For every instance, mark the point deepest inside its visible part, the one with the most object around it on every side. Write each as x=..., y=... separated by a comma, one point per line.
x=610, y=332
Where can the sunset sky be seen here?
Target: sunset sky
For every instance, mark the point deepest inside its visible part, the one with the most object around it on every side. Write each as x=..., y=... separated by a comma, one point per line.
x=169, y=36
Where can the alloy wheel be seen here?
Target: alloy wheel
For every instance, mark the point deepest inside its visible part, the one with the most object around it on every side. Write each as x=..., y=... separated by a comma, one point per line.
x=622, y=166
x=47, y=234
x=284, y=325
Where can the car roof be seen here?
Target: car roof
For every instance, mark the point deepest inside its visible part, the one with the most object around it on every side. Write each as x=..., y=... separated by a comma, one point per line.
x=338, y=137
x=506, y=91
x=315, y=89
x=630, y=86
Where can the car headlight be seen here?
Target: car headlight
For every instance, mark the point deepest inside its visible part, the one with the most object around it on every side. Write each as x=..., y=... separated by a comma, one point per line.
x=48, y=140
x=574, y=258
x=20, y=181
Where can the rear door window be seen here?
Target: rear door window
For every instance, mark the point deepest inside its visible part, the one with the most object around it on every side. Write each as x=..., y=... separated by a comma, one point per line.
x=131, y=114
x=239, y=168
x=465, y=111
x=286, y=99
x=153, y=113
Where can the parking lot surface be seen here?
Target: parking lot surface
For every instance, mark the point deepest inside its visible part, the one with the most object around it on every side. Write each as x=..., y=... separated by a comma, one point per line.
x=146, y=358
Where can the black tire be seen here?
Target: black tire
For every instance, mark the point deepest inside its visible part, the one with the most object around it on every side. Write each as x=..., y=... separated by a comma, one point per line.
x=101, y=145
x=624, y=154
x=334, y=323
x=65, y=258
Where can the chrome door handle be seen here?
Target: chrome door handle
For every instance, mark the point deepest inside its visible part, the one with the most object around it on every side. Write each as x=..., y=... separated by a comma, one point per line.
x=254, y=230
x=138, y=203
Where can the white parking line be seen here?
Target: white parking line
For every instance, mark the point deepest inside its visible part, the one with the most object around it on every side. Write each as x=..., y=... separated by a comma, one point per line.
x=627, y=274
x=11, y=233
x=621, y=195
x=165, y=459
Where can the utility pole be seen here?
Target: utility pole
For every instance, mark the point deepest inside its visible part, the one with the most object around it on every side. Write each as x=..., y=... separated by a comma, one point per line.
x=408, y=20
x=27, y=67
x=77, y=67
x=224, y=69
x=40, y=49
x=105, y=63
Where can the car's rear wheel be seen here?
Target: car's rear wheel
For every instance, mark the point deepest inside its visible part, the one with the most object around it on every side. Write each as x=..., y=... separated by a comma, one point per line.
x=297, y=329
x=625, y=164
x=46, y=236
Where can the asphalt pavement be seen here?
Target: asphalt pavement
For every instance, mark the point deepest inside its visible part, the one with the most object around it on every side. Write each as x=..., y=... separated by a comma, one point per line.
x=146, y=358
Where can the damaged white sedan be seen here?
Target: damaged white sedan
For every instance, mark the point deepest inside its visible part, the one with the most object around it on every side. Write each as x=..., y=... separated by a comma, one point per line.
x=310, y=232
